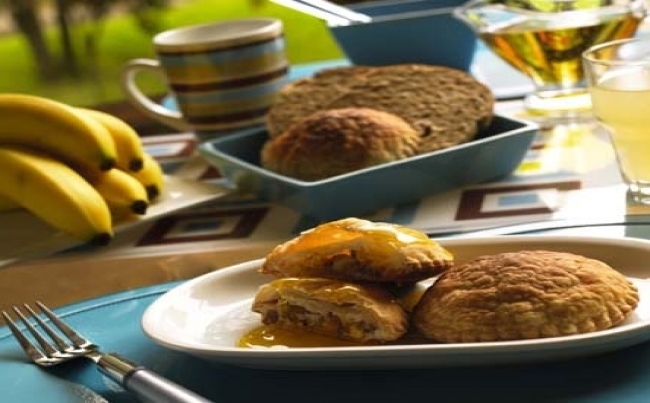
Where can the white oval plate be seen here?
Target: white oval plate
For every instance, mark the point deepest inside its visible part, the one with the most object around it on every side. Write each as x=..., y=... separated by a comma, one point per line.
x=206, y=316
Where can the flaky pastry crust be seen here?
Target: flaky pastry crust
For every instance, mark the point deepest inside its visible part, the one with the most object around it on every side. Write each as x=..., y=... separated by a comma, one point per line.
x=337, y=141
x=353, y=249
x=524, y=295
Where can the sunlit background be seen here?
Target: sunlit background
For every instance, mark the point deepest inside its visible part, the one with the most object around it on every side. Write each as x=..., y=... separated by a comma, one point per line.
x=72, y=50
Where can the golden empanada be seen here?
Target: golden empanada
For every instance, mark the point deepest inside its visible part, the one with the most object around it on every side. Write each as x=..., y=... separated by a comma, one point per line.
x=349, y=311
x=353, y=249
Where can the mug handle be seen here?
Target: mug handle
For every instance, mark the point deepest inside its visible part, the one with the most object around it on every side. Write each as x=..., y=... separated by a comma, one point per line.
x=153, y=109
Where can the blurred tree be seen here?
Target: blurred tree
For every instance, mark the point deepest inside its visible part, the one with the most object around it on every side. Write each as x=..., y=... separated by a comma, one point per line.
x=25, y=16
x=50, y=65
x=69, y=59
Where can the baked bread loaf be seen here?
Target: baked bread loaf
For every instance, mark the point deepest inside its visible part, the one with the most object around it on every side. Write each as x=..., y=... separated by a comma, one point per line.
x=359, y=312
x=338, y=141
x=353, y=249
x=524, y=295
x=446, y=106
x=305, y=96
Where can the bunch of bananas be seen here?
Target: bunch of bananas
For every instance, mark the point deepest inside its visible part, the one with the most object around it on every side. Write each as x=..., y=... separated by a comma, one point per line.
x=79, y=170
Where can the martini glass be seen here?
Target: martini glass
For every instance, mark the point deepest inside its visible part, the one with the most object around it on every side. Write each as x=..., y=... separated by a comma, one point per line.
x=544, y=39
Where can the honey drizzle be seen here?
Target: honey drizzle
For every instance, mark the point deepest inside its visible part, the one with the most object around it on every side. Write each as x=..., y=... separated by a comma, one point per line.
x=269, y=336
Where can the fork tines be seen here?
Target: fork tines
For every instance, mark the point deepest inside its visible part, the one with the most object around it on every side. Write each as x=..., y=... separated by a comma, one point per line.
x=51, y=351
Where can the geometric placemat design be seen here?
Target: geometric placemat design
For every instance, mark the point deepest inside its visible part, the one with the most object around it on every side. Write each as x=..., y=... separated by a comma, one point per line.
x=512, y=200
x=204, y=225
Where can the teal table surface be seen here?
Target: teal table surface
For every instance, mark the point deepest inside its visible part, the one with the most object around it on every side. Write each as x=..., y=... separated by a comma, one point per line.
x=113, y=321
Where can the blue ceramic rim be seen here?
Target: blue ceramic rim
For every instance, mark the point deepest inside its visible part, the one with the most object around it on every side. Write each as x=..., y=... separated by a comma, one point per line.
x=208, y=148
x=409, y=15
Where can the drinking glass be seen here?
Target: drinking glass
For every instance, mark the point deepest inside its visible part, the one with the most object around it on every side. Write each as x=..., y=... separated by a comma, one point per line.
x=618, y=77
x=544, y=39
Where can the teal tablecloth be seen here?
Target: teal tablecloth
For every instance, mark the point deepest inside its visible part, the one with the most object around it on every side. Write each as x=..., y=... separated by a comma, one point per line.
x=113, y=321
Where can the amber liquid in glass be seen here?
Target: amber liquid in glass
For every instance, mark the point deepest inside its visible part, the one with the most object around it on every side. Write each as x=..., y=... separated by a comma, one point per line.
x=549, y=53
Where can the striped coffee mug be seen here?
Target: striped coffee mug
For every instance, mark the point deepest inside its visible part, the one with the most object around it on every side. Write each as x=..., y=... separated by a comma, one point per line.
x=222, y=75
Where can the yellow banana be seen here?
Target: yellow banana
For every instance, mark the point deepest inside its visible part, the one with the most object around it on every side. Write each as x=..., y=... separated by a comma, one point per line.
x=56, y=128
x=151, y=176
x=7, y=204
x=54, y=192
x=127, y=142
x=122, y=192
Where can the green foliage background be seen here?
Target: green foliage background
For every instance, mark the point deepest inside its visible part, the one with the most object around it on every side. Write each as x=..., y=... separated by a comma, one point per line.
x=307, y=40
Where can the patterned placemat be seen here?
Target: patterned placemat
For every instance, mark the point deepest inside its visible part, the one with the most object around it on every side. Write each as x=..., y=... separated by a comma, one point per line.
x=569, y=173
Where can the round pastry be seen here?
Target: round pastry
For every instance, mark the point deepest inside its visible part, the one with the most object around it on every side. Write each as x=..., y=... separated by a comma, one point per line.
x=524, y=295
x=353, y=249
x=339, y=309
x=339, y=141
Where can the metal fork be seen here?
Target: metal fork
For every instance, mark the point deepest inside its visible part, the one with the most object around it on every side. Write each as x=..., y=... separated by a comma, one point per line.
x=145, y=384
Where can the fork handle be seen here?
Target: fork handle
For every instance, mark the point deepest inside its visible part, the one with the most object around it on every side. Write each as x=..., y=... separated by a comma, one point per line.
x=147, y=385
